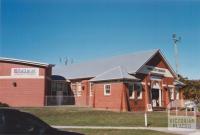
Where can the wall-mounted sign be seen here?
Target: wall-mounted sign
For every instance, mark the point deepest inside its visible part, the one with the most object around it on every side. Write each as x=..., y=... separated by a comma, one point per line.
x=156, y=70
x=25, y=72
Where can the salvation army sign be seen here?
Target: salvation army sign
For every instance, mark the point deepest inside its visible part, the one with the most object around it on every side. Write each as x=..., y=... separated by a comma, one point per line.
x=150, y=69
x=25, y=72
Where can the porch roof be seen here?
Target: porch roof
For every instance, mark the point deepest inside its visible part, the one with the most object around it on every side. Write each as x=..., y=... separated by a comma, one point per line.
x=179, y=83
x=116, y=73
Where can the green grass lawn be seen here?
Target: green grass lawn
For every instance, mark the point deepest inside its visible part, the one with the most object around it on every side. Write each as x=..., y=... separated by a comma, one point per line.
x=73, y=116
x=118, y=132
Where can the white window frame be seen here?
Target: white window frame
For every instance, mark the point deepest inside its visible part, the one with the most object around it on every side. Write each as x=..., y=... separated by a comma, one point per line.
x=133, y=93
x=91, y=91
x=107, y=94
x=74, y=89
x=140, y=97
x=171, y=93
x=79, y=89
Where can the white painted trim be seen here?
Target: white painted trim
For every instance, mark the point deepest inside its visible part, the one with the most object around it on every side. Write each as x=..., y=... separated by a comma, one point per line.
x=105, y=94
x=22, y=77
x=171, y=86
x=25, y=62
x=172, y=93
x=160, y=98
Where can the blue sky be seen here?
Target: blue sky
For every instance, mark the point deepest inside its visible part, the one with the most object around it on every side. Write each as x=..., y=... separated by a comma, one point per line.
x=44, y=30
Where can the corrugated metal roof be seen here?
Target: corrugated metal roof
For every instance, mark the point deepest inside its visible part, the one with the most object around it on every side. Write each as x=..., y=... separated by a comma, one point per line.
x=25, y=62
x=114, y=74
x=132, y=62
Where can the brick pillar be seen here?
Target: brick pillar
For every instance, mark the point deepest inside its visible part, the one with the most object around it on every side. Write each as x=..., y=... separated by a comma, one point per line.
x=181, y=96
x=167, y=96
x=147, y=80
x=124, y=100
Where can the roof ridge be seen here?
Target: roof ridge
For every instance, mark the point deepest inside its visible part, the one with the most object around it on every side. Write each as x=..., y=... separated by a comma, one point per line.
x=120, y=69
x=106, y=71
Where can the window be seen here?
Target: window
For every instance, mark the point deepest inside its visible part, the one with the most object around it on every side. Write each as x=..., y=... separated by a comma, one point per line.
x=91, y=90
x=171, y=90
x=138, y=88
x=77, y=88
x=131, y=91
x=107, y=89
x=58, y=86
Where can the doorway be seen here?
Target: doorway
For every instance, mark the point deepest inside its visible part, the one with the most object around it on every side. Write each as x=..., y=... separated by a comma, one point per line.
x=155, y=97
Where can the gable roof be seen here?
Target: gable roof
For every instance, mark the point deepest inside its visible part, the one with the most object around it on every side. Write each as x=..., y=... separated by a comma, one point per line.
x=25, y=62
x=132, y=62
x=114, y=74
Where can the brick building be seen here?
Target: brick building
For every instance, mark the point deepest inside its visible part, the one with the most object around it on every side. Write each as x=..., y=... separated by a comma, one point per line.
x=133, y=82
x=24, y=83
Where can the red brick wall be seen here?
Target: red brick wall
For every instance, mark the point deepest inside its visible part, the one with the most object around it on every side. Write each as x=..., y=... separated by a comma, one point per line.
x=138, y=104
x=29, y=92
x=115, y=101
x=83, y=99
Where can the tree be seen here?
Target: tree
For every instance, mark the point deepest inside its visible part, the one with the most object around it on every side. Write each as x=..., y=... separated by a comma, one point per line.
x=191, y=90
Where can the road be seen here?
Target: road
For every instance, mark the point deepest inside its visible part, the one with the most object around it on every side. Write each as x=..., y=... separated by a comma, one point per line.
x=161, y=129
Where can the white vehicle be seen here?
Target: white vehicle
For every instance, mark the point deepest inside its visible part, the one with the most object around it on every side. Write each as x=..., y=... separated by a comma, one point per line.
x=190, y=104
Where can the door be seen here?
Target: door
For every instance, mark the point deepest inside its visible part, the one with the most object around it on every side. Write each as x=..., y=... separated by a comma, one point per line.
x=155, y=97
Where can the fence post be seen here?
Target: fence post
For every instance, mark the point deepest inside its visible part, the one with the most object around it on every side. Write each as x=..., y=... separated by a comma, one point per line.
x=145, y=119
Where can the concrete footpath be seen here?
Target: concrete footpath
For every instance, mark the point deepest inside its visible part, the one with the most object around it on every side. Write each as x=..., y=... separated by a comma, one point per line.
x=161, y=129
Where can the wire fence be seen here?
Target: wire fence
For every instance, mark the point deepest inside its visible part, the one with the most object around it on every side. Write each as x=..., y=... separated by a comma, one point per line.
x=59, y=100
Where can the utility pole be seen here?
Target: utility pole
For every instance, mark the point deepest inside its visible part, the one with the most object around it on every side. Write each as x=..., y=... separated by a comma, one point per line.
x=176, y=40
